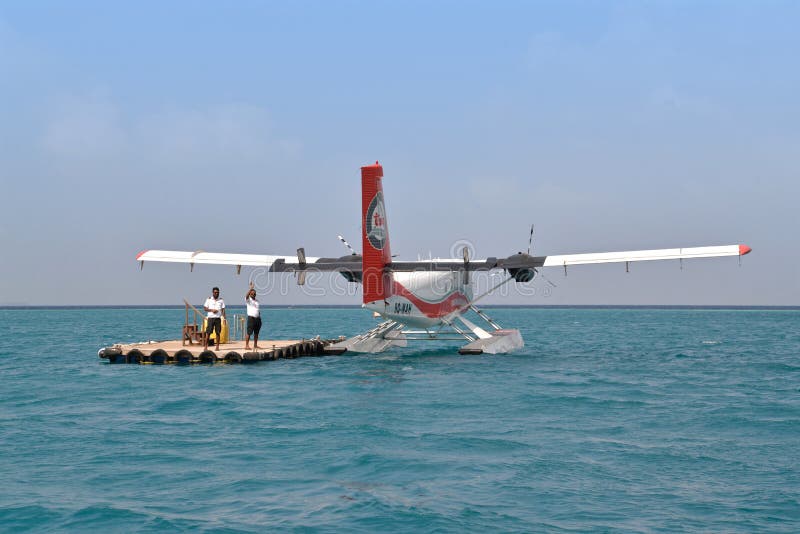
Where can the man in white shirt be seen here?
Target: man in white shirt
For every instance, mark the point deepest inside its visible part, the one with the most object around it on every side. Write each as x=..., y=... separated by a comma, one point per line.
x=215, y=307
x=253, y=318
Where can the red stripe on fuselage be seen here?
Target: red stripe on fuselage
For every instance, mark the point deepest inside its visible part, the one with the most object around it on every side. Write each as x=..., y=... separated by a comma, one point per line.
x=454, y=301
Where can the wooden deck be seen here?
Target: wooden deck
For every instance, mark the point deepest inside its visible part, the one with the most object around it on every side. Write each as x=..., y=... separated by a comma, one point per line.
x=173, y=351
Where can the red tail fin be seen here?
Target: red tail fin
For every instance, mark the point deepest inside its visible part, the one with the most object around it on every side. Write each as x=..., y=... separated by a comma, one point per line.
x=374, y=234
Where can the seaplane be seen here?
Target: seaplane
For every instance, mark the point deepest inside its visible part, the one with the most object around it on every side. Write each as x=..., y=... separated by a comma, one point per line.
x=424, y=299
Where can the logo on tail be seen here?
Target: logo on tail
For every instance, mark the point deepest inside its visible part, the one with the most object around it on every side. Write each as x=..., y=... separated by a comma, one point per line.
x=376, y=222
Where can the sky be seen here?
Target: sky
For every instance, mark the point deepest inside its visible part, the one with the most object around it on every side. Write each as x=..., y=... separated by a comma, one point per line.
x=241, y=127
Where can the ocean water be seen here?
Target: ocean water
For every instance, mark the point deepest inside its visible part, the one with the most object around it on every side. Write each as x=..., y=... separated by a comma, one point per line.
x=610, y=420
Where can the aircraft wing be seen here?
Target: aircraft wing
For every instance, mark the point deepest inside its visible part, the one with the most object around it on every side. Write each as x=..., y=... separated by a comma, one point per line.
x=352, y=263
x=444, y=264
x=646, y=255
x=525, y=261
x=276, y=263
x=213, y=258
x=273, y=262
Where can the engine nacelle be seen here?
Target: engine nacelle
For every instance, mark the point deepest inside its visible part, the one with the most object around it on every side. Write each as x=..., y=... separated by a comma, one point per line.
x=522, y=275
x=350, y=276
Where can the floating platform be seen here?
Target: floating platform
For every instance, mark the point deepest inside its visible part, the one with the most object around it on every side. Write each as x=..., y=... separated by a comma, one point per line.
x=175, y=352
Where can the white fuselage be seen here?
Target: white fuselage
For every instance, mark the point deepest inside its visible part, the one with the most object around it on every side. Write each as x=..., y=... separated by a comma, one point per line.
x=423, y=298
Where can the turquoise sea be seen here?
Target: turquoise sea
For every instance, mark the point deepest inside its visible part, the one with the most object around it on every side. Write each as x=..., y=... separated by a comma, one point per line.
x=609, y=420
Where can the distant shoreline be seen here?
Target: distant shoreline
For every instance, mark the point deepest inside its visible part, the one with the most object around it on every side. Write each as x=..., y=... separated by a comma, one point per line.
x=358, y=306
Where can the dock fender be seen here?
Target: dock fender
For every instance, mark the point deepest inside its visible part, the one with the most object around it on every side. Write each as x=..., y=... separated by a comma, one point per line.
x=108, y=352
x=183, y=356
x=208, y=356
x=233, y=357
x=251, y=357
x=159, y=356
x=112, y=354
x=135, y=356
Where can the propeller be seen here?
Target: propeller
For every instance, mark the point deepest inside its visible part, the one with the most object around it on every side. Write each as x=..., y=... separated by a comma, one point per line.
x=535, y=270
x=301, y=260
x=465, y=276
x=352, y=252
x=530, y=241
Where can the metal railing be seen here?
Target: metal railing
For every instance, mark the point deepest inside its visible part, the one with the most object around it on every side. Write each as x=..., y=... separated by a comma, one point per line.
x=237, y=326
x=191, y=330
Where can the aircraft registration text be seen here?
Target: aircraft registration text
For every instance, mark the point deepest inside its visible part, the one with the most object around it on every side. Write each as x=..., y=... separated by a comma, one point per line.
x=402, y=307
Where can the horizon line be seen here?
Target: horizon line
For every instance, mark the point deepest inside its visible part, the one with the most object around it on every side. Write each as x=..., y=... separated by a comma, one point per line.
x=359, y=306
